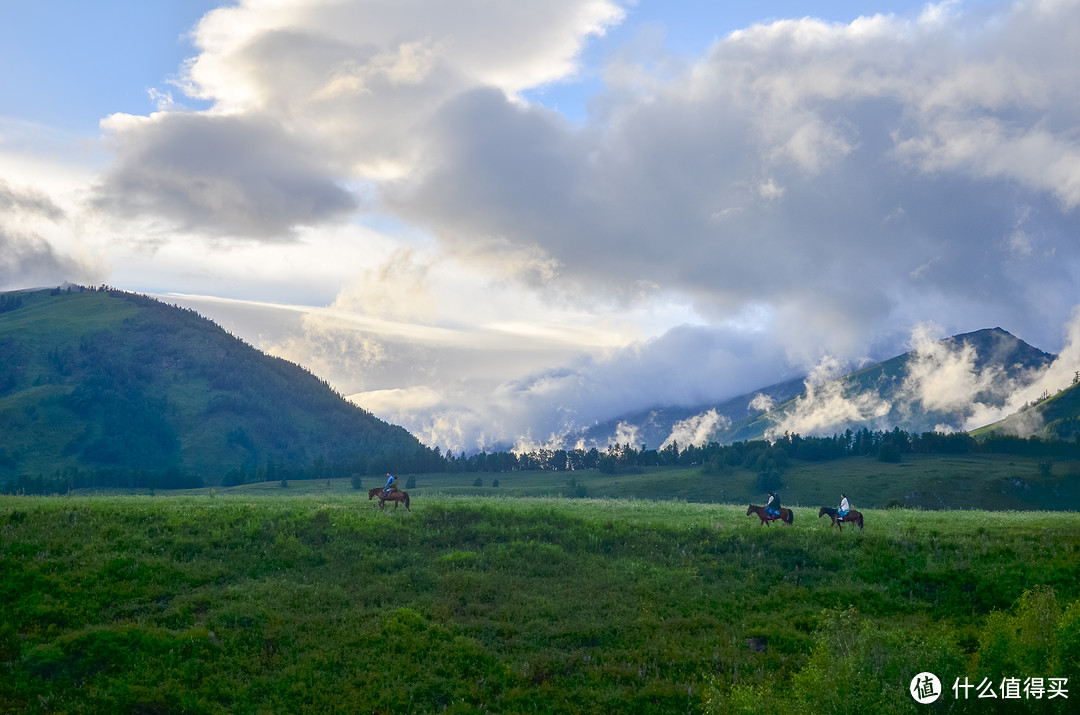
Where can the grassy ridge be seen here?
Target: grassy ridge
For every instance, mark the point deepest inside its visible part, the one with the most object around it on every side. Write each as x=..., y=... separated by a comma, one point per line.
x=318, y=603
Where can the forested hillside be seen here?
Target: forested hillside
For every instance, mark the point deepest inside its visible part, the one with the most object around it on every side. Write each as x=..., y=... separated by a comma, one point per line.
x=106, y=388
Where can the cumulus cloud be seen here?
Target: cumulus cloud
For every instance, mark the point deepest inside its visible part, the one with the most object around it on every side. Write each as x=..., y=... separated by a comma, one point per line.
x=220, y=175
x=310, y=96
x=843, y=174
x=810, y=189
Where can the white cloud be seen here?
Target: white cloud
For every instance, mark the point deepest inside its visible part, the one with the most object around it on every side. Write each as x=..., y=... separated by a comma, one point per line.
x=696, y=430
x=626, y=433
x=743, y=190
x=944, y=379
x=220, y=175
x=27, y=258
x=761, y=173
x=762, y=403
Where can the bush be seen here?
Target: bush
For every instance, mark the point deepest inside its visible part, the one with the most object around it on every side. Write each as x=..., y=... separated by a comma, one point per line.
x=356, y=482
x=1025, y=642
x=857, y=661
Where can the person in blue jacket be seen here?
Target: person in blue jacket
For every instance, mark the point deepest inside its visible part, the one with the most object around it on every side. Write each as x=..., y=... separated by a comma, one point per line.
x=391, y=483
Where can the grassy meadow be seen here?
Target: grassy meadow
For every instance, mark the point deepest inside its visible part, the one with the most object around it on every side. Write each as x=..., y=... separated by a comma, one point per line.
x=308, y=598
x=985, y=481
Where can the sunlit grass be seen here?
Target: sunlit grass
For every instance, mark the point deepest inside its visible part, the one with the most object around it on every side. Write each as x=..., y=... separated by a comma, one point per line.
x=314, y=599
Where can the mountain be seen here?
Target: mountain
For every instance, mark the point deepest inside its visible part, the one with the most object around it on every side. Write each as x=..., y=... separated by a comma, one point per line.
x=1057, y=417
x=108, y=388
x=655, y=426
x=941, y=385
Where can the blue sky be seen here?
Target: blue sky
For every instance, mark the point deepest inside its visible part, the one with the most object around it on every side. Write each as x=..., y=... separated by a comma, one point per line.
x=502, y=222
x=68, y=64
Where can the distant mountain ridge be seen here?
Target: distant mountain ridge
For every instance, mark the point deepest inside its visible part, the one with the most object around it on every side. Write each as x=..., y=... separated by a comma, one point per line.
x=911, y=391
x=105, y=386
x=655, y=426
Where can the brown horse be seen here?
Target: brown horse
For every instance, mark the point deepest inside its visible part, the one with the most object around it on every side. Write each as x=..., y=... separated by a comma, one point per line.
x=786, y=515
x=397, y=496
x=853, y=517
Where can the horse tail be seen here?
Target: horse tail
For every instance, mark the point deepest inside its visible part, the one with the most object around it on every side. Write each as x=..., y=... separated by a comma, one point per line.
x=791, y=516
x=406, y=499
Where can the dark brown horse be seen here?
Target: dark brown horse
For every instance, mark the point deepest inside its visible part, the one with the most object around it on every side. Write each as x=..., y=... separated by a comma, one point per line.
x=397, y=496
x=786, y=515
x=853, y=517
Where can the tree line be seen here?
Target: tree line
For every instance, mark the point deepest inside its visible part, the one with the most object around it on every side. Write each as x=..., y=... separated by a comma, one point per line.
x=768, y=459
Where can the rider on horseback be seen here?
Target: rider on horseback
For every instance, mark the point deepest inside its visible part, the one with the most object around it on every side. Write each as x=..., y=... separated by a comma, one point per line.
x=390, y=484
x=772, y=507
x=845, y=507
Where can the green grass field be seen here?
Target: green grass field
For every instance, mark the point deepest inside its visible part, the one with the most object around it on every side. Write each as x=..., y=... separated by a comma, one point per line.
x=992, y=482
x=311, y=599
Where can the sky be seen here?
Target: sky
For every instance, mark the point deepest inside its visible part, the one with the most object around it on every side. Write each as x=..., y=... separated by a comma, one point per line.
x=497, y=223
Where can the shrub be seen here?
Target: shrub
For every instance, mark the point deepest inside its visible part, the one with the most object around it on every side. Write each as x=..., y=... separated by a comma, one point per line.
x=356, y=482
x=1024, y=642
x=858, y=661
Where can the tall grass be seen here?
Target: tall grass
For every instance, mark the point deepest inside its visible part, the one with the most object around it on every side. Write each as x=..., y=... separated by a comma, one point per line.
x=324, y=603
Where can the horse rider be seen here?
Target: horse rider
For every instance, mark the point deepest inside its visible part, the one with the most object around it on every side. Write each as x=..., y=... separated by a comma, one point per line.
x=391, y=484
x=845, y=507
x=772, y=507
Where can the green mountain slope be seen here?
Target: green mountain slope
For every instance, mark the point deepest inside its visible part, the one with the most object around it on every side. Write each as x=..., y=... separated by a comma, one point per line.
x=113, y=388
x=1056, y=417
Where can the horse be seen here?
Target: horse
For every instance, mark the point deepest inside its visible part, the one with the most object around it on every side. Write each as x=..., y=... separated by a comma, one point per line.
x=853, y=517
x=397, y=496
x=786, y=515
